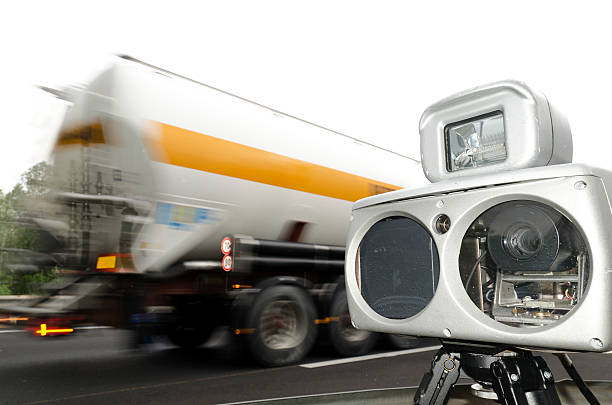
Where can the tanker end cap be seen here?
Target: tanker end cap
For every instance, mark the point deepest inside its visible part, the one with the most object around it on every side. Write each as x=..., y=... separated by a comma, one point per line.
x=497, y=127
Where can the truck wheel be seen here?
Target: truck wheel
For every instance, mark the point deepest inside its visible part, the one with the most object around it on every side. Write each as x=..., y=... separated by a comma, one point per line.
x=282, y=319
x=345, y=338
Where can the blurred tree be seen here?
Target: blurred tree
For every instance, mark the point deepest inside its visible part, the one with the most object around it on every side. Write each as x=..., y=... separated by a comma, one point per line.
x=34, y=181
x=4, y=233
x=18, y=238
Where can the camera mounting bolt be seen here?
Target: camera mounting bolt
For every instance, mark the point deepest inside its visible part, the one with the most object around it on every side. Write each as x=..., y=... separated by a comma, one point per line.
x=449, y=364
x=442, y=224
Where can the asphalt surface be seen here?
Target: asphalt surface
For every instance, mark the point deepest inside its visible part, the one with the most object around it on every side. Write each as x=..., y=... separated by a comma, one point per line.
x=98, y=367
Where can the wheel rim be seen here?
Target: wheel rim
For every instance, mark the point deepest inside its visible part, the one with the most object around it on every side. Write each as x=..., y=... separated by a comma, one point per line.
x=282, y=325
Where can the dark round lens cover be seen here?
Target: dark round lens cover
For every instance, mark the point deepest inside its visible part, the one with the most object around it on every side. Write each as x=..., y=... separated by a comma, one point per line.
x=399, y=267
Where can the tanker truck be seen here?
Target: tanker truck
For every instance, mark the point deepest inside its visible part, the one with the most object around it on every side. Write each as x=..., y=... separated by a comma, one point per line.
x=177, y=208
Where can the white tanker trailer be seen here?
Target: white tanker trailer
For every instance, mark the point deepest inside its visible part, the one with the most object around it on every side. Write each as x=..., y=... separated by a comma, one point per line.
x=181, y=207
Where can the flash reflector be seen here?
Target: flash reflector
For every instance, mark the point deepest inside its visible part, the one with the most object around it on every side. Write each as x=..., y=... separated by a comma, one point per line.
x=478, y=142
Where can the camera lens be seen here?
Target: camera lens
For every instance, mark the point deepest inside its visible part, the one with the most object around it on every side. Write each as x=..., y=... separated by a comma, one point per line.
x=522, y=241
x=523, y=236
x=524, y=264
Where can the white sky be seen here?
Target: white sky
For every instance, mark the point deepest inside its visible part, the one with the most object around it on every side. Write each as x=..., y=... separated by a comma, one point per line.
x=367, y=69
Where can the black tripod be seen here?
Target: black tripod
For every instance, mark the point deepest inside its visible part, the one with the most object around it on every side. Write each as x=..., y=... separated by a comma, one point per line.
x=509, y=375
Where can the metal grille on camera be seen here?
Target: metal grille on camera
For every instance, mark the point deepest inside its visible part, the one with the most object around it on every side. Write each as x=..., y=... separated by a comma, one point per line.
x=397, y=267
x=524, y=263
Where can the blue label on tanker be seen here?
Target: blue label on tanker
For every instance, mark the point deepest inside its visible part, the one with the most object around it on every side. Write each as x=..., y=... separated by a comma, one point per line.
x=181, y=216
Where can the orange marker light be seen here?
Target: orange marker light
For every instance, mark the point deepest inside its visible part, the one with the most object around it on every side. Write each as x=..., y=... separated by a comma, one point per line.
x=44, y=331
x=235, y=286
x=13, y=319
x=247, y=331
x=327, y=320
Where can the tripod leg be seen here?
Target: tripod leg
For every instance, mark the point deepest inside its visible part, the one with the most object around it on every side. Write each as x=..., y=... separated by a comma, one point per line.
x=438, y=381
x=571, y=370
x=524, y=380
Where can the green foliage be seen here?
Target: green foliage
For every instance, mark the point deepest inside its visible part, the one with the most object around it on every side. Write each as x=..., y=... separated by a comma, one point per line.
x=34, y=181
x=5, y=290
x=17, y=238
x=31, y=283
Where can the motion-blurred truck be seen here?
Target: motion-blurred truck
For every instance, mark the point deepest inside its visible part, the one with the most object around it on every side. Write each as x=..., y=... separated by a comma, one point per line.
x=178, y=208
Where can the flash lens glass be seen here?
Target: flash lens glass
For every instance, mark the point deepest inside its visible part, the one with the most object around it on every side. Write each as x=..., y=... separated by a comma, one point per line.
x=524, y=264
x=480, y=141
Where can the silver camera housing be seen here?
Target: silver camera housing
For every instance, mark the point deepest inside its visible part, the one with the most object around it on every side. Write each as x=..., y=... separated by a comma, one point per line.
x=579, y=192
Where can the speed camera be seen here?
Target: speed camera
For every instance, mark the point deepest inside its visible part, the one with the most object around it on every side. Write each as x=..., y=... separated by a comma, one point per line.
x=508, y=245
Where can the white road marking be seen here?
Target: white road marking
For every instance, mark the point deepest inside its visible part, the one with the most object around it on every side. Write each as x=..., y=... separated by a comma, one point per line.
x=369, y=357
x=298, y=399
x=12, y=331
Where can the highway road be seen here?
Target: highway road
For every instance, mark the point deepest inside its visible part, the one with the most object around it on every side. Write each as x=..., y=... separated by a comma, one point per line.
x=98, y=367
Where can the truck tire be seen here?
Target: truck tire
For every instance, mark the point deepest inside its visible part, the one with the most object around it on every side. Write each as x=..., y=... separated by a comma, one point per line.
x=282, y=324
x=345, y=338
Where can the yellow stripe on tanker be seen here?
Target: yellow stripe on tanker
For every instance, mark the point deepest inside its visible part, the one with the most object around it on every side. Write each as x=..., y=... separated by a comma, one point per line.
x=181, y=147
